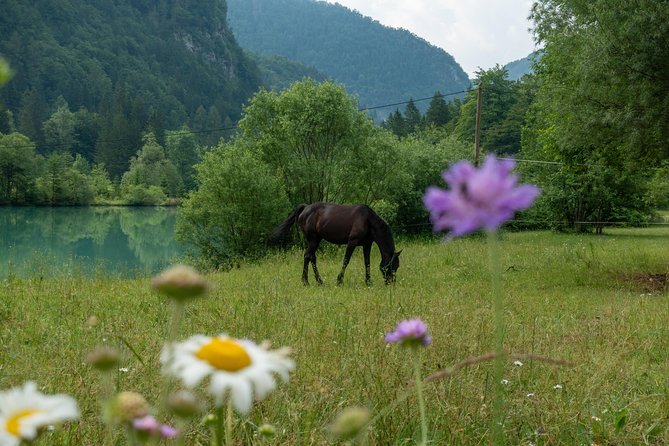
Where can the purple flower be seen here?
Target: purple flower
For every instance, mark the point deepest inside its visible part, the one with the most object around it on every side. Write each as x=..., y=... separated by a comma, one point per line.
x=148, y=425
x=168, y=431
x=478, y=198
x=412, y=331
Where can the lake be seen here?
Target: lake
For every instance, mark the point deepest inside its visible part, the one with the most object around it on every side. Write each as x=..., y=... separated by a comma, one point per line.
x=59, y=241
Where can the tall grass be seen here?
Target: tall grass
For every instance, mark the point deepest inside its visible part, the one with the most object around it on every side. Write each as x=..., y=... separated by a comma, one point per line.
x=584, y=299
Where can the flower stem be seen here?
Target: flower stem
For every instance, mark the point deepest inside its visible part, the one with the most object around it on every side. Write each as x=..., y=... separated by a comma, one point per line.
x=228, y=423
x=420, y=396
x=497, y=428
x=177, y=314
x=219, y=426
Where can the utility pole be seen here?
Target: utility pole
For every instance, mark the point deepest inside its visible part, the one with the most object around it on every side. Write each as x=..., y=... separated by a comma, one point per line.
x=477, y=134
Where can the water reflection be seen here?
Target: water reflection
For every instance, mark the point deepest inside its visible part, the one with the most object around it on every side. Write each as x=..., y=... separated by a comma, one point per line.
x=118, y=241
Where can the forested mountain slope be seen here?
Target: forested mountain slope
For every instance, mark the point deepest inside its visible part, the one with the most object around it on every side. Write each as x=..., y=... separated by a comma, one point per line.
x=169, y=55
x=381, y=65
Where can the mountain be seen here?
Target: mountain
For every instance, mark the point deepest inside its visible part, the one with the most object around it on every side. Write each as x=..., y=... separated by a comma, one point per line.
x=381, y=65
x=278, y=72
x=519, y=68
x=173, y=56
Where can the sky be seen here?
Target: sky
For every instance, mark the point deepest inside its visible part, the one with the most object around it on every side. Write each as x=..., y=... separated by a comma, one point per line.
x=477, y=33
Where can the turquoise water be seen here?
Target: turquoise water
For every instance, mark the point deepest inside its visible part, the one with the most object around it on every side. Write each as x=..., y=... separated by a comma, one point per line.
x=60, y=241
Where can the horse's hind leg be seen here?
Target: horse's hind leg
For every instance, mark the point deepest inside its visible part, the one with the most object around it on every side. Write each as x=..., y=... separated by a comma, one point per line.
x=347, y=258
x=316, y=275
x=310, y=256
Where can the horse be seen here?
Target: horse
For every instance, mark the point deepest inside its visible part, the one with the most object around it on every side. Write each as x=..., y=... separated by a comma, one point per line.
x=350, y=225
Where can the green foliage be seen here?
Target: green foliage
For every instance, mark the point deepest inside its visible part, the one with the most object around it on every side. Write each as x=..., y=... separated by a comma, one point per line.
x=599, y=112
x=235, y=207
x=143, y=195
x=82, y=50
x=62, y=183
x=181, y=151
x=5, y=72
x=18, y=164
x=425, y=156
x=504, y=104
x=307, y=134
x=59, y=130
x=438, y=113
x=604, y=76
x=150, y=168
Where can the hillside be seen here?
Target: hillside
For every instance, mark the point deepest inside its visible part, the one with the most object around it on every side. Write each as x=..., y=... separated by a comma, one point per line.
x=171, y=55
x=379, y=64
x=519, y=68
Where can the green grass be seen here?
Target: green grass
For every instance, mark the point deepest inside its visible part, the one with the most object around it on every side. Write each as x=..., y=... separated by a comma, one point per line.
x=585, y=299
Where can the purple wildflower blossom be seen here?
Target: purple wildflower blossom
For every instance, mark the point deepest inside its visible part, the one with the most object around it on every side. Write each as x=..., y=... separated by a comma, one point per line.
x=150, y=426
x=412, y=331
x=167, y=431
x=478, y=198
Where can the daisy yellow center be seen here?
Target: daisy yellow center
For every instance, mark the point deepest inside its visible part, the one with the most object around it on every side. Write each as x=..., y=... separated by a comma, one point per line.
x=13, y=423
x=224, y=354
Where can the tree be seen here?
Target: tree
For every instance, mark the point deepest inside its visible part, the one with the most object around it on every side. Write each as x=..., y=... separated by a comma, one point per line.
x=306, y=134
x=605, y=77
x=181, y=150
x=600, y=111
x=18, y=162
x=234, y=208
x=438, y=113
x=412, y=117
x=396, y=124
x=59, y=130
x=499, y=132
x=61, y=182
x=150, y=168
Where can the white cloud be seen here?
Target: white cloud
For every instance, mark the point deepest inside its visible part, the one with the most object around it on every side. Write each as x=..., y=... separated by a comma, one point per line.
x=477, y=33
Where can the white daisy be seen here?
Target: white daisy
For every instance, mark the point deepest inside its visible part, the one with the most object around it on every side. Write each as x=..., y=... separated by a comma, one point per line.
x=24, y=412
x=239, y=366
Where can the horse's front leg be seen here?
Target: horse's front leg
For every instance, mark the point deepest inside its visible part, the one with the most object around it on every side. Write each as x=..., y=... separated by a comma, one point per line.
x=366, y=252
x=347, y=258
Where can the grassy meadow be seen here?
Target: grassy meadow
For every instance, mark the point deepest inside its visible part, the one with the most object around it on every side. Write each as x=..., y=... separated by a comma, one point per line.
x=599, y=302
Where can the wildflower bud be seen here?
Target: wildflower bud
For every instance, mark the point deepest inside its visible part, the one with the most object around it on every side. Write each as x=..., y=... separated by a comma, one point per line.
x=126, y=407
x=103, y=358
x=184, y=404
x=180, y=282
x=267, y=431
x=92, y=321
x=349, y=423
x=209, y=419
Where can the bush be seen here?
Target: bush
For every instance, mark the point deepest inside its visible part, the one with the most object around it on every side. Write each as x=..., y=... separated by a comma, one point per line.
x=236, y=205
x=139, y=195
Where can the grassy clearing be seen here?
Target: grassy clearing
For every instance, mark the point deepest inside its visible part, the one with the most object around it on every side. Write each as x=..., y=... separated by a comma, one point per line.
x=598, y=302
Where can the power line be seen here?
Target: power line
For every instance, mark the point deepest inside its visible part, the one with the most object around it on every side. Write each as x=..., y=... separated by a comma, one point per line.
x=236, y=126
x=414, y=100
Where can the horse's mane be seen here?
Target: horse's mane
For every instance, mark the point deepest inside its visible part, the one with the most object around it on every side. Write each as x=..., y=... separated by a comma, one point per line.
x=381, y=230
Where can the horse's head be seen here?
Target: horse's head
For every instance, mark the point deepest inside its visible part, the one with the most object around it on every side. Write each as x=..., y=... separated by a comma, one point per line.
x=389, y=267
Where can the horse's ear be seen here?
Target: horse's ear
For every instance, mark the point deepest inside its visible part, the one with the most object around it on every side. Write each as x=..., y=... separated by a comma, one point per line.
x=397, y=254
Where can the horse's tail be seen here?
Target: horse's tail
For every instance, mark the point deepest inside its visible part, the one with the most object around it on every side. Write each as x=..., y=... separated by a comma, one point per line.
x=281, y=231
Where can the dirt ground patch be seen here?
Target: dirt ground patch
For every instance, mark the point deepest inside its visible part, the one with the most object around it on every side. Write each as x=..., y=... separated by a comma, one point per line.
x=645, y=282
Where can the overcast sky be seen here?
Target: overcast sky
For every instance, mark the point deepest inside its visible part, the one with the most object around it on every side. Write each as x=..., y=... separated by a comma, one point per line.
x=477, y=33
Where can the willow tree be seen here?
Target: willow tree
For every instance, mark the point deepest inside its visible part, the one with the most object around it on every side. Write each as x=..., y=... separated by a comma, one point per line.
x=307, y=135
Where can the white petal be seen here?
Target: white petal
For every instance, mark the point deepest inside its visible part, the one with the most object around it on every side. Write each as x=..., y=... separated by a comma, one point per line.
x=242, y=396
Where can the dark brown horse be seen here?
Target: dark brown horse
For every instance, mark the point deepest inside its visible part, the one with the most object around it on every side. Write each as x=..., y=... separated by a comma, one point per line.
x=342, y=225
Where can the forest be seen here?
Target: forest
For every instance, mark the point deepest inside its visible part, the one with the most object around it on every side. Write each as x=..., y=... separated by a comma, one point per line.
x=589, y=126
